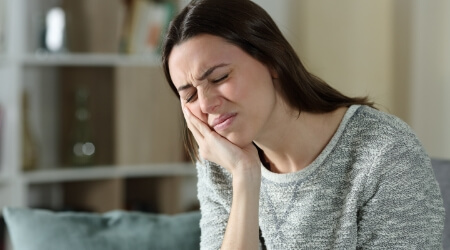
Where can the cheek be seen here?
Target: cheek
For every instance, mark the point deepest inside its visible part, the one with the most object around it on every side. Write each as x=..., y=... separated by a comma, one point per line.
x=196, y=111
x=235, y=90
x=254, y=83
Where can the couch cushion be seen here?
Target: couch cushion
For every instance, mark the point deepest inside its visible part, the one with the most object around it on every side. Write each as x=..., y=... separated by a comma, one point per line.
x=34, y=229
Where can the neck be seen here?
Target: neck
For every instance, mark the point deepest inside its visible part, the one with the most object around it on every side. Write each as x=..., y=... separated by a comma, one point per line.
x=293, y=141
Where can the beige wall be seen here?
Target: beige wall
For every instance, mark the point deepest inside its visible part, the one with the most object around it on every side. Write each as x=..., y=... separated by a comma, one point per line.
x=349, y=44
x=397, y=52
x=430, y=75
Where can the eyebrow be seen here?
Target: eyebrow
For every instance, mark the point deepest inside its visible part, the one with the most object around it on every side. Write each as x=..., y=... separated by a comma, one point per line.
x=203, y=76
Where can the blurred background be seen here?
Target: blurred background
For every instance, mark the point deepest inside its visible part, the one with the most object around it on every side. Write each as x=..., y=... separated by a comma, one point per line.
x=397, y=52
x=87, y=122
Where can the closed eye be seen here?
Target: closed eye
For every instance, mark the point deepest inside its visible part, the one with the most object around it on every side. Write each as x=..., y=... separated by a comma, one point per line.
x=191, y=97
x=220, y=79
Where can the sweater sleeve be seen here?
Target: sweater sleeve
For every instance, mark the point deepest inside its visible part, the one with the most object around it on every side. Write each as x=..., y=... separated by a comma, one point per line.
x=214, y=193
x=405, y=208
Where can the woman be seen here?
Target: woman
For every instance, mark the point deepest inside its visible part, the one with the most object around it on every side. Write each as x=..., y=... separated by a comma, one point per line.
x=285, y=161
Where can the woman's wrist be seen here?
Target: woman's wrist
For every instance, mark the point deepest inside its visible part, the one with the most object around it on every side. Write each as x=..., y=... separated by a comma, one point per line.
x=247, y=177
x=242, y=228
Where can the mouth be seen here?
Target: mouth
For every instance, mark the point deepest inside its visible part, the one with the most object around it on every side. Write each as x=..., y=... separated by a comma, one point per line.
x=223, y=121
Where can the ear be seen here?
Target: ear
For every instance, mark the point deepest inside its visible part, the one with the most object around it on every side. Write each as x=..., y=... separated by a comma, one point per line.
x=273, y=73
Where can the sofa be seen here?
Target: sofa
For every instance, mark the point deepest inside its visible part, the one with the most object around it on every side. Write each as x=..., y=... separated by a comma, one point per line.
x=442, y=172
x=34, y=229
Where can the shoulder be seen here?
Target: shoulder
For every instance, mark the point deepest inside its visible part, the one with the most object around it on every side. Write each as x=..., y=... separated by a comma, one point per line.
x=392, y=152
x=384, y=145
x=380, y=133
x=369, y=121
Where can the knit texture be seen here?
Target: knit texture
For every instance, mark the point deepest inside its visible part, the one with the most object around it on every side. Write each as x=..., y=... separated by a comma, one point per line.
x=372, y=187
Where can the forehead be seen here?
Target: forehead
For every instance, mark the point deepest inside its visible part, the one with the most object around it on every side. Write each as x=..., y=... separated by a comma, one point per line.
x=194, y=56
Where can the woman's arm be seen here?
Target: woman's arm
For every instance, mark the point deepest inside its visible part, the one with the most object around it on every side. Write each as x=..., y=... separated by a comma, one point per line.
x=243, y=227
x=243, y=164
x=214, y=194
x=405, y=209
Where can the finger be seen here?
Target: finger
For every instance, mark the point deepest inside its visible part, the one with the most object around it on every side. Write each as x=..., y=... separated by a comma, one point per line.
x=199, y=129
x=197, y=124
x=195, y=132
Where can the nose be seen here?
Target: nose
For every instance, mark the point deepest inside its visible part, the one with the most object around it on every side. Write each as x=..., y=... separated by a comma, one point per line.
x=209, y=101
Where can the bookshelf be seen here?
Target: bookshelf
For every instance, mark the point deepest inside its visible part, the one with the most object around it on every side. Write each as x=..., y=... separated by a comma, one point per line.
x=90, y=59
x=140, y=162
x=108, y=172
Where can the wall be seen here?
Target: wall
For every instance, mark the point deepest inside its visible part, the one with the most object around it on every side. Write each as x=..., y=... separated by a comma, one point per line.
x=397, y=52
x=348, y=43
x=430, y=75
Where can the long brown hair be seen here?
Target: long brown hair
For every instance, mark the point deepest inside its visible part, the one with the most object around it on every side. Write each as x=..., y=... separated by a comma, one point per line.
x=248, y=26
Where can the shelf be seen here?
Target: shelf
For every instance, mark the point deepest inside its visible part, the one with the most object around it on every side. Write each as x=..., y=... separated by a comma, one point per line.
x=124, y=104
x=93, y=60
x=108, y=172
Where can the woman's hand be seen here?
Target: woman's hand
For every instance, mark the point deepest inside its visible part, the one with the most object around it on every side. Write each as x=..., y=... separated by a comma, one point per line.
x=244, y=165
x=215, y=148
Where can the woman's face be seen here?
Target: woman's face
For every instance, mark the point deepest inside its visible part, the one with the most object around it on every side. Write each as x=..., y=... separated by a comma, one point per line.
x=224, y=87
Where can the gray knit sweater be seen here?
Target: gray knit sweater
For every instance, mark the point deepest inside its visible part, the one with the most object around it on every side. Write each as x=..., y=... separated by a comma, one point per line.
x=372, y=187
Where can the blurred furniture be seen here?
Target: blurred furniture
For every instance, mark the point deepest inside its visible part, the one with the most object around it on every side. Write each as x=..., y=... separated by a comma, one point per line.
x=34, y=229
x=139, y=161
x=442, y=172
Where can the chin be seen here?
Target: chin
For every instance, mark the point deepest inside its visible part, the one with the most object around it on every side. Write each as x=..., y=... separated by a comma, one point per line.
x=239, y=140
